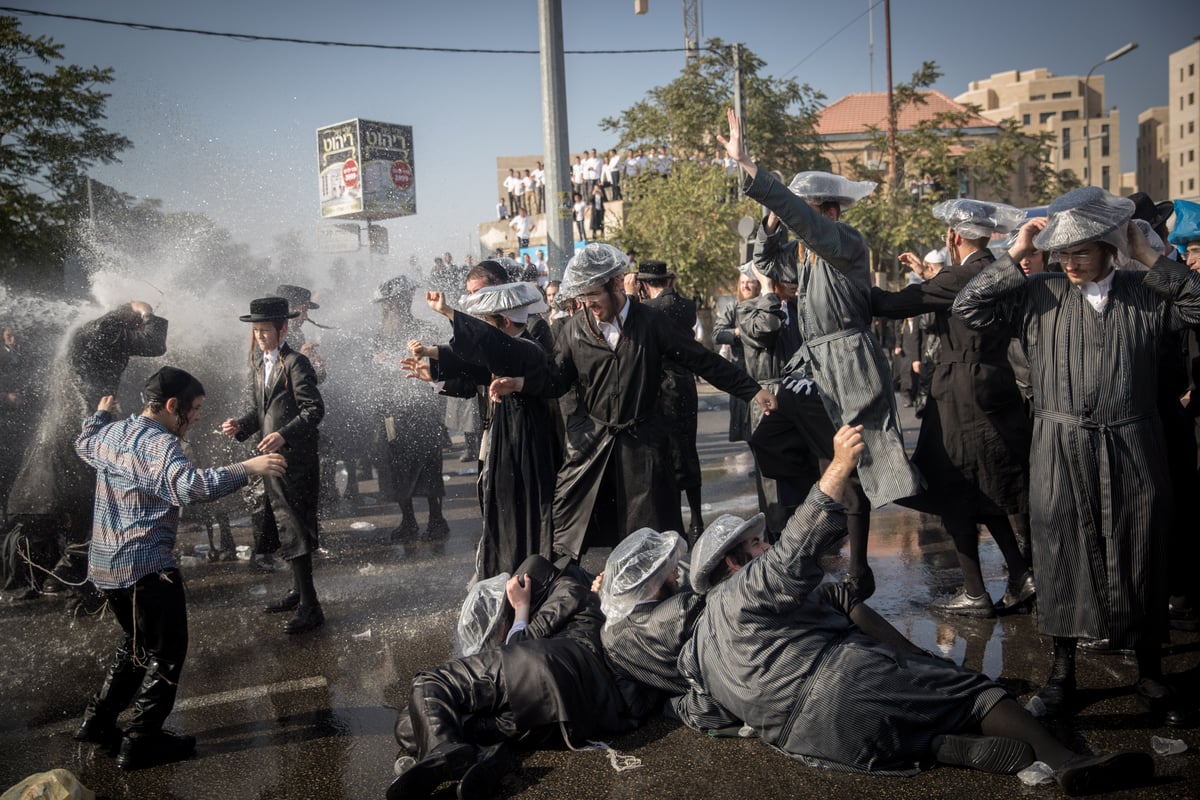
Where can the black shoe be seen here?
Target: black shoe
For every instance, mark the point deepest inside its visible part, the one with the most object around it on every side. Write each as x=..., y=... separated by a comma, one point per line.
x=998, y=754
x=447, y=762
x=965, y=605
x=1183, y=615
x=437, y=530
x=1107, y=773
x=1057, y=696
x=481, y=781
x=1102, y=647
x=1159, y=698
x=405, y=532
x=99, y=731
x=307, y=618
x=289, y=602
x=265, y=562
x=163, y=747
x=861, y=586
x=1020, y=595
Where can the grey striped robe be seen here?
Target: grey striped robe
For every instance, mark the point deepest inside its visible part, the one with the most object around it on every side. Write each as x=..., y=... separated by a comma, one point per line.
x=1099, y=491
x=850, y=369
x=777, y=649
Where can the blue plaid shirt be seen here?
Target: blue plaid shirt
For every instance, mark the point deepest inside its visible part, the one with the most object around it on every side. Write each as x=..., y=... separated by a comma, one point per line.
x=142, y=478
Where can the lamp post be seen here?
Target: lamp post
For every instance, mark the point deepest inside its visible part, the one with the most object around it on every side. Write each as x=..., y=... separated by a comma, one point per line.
x=1113, y=56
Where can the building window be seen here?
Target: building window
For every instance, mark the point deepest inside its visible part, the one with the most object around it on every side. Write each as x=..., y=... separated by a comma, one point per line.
x=1070, y=115
x=1192, y=126
x=1191, y=156
x=1024, y=119
x=1104, y=178
x=1191, y=69
x=1103, y=141
x=1066, y=143
x=1191, y=184
x=1060, y=95
x=1191, y=98
x=1045, y=115
x=1035, y=98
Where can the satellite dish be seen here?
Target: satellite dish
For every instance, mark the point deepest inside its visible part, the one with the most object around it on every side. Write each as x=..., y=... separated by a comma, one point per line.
x=745, y=227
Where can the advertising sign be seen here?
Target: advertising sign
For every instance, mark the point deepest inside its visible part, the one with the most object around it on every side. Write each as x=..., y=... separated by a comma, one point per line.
x=366, y=170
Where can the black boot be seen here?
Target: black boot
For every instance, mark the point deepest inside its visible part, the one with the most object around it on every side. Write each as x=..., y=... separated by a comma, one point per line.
x=99, y=725
x=481, y=781
x=447, y=762
x=1058, y=695
x=146, y=744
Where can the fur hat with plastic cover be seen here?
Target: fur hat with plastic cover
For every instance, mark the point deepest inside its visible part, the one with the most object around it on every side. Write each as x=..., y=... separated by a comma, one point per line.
x=513, y=300
x=1088, y=214
x=976, y=219
x=1187, y=223
x=480, y=620
x=593, y=266
x=825, y=187
x=725, y=533
x=636, y=570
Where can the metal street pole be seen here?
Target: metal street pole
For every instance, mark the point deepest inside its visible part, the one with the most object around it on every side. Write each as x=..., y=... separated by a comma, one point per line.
x=560, y=244
x=1087, y=117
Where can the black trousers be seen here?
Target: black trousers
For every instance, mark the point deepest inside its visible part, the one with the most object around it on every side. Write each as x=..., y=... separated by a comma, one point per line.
x=153, y=618
x=444, y=697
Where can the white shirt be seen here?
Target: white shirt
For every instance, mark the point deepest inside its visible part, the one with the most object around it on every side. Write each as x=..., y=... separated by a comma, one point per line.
x=591, y=168
x=269, y=361
x=521, y=224
x=539, y=177
x=1096, y=292
x=610, y=330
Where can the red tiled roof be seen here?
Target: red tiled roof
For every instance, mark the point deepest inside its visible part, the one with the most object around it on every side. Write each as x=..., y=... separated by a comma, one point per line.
x=854, y=113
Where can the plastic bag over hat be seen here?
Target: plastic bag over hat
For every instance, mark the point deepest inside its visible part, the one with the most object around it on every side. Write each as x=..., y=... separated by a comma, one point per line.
x=823, y=187
x=976, y=219
x=726, y=532
x=514, y=300
x=56, y=784
x=1187, y=224
x=595, y=265
x=479, y=622
x=636, y=569
x=1088, y=214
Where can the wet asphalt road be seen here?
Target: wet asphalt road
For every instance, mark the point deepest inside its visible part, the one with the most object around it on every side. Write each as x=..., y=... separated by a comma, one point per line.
x=306, y=717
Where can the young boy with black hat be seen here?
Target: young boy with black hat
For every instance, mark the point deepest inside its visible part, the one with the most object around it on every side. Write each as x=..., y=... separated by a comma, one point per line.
x=285, y=406
x=142, y=478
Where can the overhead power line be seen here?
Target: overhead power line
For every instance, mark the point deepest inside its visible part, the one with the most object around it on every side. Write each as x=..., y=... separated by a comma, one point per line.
x=836, y=34
x=251, y=37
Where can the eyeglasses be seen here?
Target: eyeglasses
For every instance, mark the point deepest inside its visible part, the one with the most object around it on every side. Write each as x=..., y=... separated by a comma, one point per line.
x=1081, y=258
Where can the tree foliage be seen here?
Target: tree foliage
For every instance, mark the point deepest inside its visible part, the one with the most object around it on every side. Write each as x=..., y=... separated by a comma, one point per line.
x=687, y=219
x=51, y=133
x=685, y=115
x=937, y=160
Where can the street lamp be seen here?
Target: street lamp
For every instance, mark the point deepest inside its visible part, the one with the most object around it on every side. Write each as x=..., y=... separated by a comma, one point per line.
x=1113, y=56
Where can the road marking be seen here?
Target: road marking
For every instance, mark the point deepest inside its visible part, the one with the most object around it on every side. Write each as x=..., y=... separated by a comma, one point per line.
x=251, y=693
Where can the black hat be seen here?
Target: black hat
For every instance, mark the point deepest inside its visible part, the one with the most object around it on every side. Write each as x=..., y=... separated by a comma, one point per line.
x=495, y=269
x=654, y=270
x=170, y=382
x=1155, y=213
x=393, y=289
x=297, y=296
x=269, y=309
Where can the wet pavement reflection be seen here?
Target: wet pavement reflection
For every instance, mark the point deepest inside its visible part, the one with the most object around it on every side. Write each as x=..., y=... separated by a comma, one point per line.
x=312, y=716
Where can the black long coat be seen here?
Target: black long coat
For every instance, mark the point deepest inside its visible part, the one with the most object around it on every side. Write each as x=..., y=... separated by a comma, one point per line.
x=679, y=400
x=617, y=474
x=973, y=448
x=292, y=407
x=724, y=324
x=516, y=484
x=52, y=479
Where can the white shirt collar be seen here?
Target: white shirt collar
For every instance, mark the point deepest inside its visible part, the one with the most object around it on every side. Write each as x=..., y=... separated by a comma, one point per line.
x=610, y=330
x=1096, y=292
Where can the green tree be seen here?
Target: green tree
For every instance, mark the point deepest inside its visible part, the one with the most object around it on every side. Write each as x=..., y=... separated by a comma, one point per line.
x=689, y=219
x=51, y=133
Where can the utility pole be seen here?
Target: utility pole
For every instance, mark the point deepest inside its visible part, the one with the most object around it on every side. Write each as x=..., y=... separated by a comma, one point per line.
x=691, y=30
x=893, y=167
x=560, y=245
x=737, y=94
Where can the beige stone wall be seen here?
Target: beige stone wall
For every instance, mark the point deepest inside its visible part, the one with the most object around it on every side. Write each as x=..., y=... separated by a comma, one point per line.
x=1183, y=124
x=1152, y=152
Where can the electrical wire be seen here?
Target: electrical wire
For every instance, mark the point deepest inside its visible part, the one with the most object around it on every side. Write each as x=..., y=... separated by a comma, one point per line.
x=836, y=34
x=250, y=37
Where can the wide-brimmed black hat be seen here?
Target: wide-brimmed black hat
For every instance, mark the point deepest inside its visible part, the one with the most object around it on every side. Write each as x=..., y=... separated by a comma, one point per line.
x=297, y=296
x=397, y=288
x=1155, y=213
x=269, y=309
x=654, y=270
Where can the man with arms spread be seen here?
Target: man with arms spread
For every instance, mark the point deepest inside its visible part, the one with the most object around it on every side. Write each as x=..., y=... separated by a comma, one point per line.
x=142, y=479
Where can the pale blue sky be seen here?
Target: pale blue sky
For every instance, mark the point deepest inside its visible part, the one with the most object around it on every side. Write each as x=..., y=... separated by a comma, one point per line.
x=227, y=127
